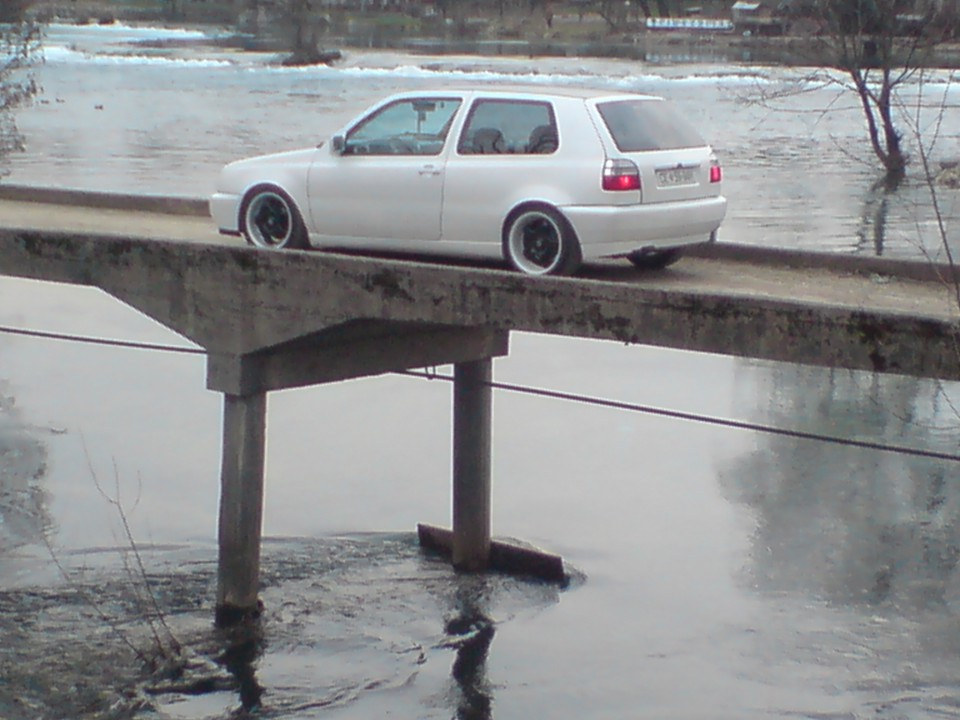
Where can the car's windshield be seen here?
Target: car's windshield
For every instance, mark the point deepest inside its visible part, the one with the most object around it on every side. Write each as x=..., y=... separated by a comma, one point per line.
x=649, y=124
x=415, y=126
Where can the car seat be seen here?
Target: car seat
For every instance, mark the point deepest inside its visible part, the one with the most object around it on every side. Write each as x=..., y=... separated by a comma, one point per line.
x=488, y=141
x=543, y=140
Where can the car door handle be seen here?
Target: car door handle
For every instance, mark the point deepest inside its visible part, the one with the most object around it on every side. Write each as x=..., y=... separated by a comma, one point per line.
x=429, y=170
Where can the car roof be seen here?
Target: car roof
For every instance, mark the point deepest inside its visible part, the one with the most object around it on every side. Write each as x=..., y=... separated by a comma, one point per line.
x=535, y=91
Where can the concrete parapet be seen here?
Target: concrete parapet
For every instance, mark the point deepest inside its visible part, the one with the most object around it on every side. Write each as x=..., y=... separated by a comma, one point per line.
x=164, y=204
x=908, y=269
x=920, y=269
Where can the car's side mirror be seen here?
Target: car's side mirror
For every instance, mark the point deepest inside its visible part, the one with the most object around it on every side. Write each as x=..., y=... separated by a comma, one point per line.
x=339, y=144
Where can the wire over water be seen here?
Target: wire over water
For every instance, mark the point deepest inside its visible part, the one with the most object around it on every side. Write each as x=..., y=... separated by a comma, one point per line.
x=552, y=394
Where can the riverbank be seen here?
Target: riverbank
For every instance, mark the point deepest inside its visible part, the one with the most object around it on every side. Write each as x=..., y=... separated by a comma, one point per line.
x=563, y=33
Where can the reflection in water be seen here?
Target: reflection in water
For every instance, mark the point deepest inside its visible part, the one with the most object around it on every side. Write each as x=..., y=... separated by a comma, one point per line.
x=243, y=646
x=24, y=517
x=851, y=525
x=474, y=632
x=350, y=629
x=854, y=553
x=872, y=232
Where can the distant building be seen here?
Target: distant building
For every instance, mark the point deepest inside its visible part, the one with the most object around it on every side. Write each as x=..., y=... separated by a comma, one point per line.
x=756, y=17
x=695, y=24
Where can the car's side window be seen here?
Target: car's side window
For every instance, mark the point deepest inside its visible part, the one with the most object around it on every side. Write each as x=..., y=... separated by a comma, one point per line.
x=509, y=126
x=414, y=126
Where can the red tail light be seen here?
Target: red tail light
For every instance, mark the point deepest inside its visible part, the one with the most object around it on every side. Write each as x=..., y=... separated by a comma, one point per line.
x=716, y=172
x=620, y=174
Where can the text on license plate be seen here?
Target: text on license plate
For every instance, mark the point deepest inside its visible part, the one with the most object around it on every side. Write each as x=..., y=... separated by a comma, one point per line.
x=670, y=177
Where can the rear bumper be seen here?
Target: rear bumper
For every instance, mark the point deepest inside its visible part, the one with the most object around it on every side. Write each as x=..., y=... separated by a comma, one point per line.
x=610, y=231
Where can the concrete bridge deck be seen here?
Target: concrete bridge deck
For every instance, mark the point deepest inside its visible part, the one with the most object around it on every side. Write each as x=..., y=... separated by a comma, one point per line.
x=862, y=313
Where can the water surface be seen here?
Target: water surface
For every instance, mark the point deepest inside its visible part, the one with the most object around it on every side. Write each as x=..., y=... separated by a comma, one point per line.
x=716, y=573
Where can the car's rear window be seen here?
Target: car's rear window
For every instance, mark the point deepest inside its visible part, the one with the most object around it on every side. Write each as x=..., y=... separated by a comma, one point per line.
x=642, y=125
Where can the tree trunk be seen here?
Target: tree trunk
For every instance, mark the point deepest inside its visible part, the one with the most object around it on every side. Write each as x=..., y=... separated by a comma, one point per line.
x=896, y=160
x=175, y=10
x=12, y=11
x=883, y=134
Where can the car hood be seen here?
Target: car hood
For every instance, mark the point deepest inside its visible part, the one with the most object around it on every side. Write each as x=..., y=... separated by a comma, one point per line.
x=289, y=157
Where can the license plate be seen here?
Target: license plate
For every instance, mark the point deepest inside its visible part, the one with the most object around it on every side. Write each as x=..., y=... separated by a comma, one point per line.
x=671, y=177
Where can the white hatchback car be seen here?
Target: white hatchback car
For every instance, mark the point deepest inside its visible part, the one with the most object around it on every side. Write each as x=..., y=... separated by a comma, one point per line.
x=543, y=178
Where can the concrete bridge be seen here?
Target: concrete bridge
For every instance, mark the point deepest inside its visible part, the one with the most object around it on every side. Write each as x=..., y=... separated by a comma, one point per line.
x=271, y=321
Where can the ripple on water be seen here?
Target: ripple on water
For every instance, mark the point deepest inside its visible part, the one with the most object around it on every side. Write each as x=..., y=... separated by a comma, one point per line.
x=353, y=623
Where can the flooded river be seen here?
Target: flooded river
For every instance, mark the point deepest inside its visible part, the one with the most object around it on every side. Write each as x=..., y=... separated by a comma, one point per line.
x=715, y=573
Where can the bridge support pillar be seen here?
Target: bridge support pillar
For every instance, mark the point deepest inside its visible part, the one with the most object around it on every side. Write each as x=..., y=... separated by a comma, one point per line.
x=469, y=544
x=246, y=379
x=472, y=431
x=241, y=507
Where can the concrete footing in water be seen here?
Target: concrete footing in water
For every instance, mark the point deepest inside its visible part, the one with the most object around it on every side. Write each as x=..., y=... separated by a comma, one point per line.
x=504, y=557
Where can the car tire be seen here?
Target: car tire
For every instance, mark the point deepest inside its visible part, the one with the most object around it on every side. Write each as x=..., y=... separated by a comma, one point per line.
x=656, y=260
x=539, y=240
x=270, y=219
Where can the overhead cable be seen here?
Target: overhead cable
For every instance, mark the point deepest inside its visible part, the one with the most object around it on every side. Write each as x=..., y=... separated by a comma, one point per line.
x=555, y=395
x=703, y=419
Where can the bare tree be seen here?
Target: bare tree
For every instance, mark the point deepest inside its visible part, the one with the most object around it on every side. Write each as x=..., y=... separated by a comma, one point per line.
x=173, y=9
x=13, y=11
x=879, y=45
x=302, y=27
x=19, y=48
x=297, y=26
x=616, y=13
